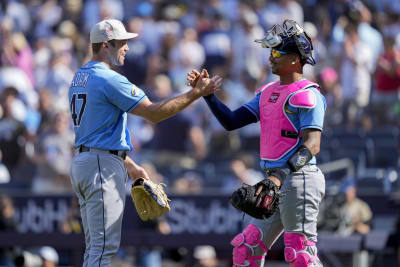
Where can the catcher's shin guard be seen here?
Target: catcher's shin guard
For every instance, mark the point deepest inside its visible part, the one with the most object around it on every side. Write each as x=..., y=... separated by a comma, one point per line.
x=296, y=250
x=244, y=245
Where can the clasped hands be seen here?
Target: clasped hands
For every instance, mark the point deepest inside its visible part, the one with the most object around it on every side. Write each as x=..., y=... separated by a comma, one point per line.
x=202, y=83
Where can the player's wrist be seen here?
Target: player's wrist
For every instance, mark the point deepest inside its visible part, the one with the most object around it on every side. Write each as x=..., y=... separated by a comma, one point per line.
x=276, y=181
x=209, y=97
x=279, y=174
x=195, y=92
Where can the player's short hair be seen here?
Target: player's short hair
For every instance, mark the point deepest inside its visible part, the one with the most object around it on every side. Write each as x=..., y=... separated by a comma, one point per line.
x=97, y=46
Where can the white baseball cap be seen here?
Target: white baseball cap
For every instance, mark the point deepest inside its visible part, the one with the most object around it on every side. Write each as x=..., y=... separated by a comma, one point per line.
x=110, y=29
x=204, y=252
x=49, y=254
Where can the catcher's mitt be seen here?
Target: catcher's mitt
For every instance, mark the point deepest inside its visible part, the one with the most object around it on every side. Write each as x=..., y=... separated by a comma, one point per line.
x=149, y=198
x=260, y=206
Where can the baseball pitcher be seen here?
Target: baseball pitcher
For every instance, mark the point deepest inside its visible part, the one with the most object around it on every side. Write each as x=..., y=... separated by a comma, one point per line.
x=100, y=100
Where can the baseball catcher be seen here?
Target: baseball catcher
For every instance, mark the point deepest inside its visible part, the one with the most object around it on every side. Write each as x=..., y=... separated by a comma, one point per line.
x=149, y=198
x=291, y=114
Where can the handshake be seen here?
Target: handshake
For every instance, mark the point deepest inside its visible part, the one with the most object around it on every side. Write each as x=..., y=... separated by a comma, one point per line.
x=202, y=84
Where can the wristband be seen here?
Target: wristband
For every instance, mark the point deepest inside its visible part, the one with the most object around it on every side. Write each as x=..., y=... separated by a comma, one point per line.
x=300, y=158
x=280, y=173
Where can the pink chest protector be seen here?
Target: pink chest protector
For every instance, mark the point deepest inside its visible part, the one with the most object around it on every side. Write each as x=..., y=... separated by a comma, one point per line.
x=278, y=134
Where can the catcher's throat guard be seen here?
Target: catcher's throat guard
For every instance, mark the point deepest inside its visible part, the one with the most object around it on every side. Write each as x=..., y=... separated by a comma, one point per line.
x=150, y=199
x=261, y=206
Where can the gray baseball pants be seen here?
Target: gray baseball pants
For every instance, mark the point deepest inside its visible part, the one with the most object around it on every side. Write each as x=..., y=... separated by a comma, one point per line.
x=99, y=180
x=302, y=193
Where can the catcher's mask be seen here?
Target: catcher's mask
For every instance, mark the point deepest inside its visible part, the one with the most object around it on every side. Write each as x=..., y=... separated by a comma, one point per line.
x=290, y=38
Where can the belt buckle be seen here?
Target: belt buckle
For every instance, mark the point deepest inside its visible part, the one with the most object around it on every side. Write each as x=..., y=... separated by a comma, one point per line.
x=119, y=153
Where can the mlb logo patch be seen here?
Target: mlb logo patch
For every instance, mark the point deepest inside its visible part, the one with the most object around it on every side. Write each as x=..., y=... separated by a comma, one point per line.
x=108, y=32
x=274, y=97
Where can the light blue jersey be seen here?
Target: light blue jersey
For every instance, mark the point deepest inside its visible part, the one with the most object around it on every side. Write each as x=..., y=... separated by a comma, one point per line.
x=301, y=118
x=100, y=99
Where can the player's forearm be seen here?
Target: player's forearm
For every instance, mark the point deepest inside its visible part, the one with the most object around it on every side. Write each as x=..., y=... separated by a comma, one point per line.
x=312, y=140
x=167, y=108
x=311, y=147
x=134, y=170
x=229, y=119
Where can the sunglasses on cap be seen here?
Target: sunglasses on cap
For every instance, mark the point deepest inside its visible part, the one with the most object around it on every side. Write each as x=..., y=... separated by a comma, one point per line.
x=277, y=53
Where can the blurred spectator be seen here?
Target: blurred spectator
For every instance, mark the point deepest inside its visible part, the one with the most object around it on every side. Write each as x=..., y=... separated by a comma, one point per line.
x=368, y=34
x=8, y=223
x=46, y=110
x=329, y=217
x=320, y=52
x=205, y=256
x=277, y=11
x=136, y=59
x=26, y=258
x=149, y=256
x=59, y=74
x=186, y=55
x=221, y=143
x=393, y=241
x=216, y=42
x=5, y=176
x=188, y=183
x=49, y=256
x=12, y=129
x=17, y=53
x=387, y=88
x=331, y=89
x=246, y=55
x=72, y=220
x=153, y=173
x=242, y=168
x=53, y=156
x=48, y=16
x=356, y=215
x=179, y=136
x=16, y=78
x=355, y=75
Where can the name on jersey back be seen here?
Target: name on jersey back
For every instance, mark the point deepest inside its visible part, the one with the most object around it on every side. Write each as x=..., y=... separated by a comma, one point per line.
x=80, y=79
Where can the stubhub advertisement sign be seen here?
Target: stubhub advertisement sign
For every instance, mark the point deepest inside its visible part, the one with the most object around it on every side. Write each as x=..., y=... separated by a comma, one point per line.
x=202, y=214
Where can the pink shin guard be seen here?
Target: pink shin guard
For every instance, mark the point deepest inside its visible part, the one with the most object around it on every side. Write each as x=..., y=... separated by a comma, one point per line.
x=295, y=250
x=244, y=245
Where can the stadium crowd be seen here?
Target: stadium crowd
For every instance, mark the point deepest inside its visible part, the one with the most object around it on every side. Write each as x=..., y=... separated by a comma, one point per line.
x=43, y=42
x=356, y=45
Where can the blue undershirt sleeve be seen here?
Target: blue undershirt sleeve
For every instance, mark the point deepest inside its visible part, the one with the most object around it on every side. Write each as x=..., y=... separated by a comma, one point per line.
x=229, y=119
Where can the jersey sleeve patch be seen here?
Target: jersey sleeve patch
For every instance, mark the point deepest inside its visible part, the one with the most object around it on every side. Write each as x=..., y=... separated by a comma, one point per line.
x=303, y=99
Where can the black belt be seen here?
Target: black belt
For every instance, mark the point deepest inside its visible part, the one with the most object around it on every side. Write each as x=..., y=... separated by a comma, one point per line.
x=119, y=153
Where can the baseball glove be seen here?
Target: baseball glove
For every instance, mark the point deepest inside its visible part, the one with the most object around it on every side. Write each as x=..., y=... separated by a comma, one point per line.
x=261, y=206
x=149, y=198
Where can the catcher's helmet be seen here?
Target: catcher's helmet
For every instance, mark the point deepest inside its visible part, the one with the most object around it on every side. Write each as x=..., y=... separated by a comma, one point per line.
x=291, y=38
